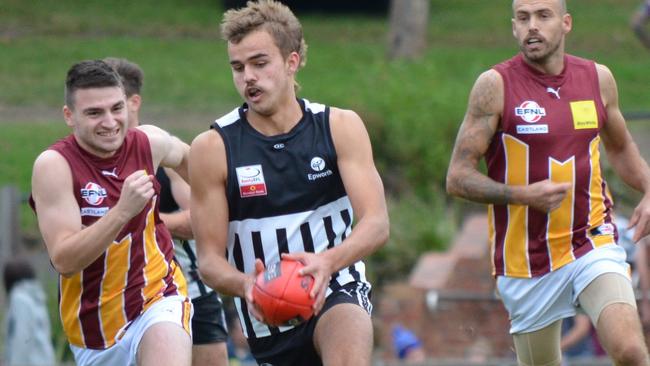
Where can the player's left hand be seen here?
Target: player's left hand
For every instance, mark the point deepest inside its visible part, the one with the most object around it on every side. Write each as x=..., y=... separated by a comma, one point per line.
x=320, y=269
x=640, y=219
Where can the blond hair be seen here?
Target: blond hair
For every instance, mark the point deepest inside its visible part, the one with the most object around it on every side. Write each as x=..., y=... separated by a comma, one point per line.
x=271, y=16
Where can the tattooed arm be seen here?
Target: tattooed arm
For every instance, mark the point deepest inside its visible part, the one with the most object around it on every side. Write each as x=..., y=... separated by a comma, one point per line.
x=623, y=153
x=479, y=126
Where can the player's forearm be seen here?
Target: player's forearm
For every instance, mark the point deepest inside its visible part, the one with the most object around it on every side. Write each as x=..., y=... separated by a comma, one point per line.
x=179, y=224
x=77, y=251
x=475, y=186
x=630, y=166
x=219, y=275
x=368, y=236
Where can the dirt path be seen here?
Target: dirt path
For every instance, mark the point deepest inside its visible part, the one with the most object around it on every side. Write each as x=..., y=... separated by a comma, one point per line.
x=191, y=121
x=33, y=113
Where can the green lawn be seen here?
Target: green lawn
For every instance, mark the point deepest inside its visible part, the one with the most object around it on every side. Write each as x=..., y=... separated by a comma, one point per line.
x=412, y=108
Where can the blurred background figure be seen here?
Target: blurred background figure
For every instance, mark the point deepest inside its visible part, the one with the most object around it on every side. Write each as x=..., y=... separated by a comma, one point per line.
x=641, y=273
x=639, y=23
x=637, y=257
x=27, y=334
x=239, y=353
x=577, y=338
x=407, y=346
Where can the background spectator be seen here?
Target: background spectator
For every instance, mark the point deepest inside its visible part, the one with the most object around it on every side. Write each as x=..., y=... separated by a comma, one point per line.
x=639, y=23
x=407, y=346
x=27, y=326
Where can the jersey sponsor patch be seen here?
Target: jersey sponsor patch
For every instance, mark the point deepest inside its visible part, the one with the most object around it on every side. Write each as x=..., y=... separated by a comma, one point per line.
x=531, y=129
x=317, y=164
x=584, y=114
x=94, y=211
x=604, y=229
x=530, y=111
x=93, y=193
x=251, y=181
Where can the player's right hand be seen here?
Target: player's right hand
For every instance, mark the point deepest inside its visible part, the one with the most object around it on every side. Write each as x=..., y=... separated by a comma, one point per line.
x=248, y=292
x=546, y=195
x=137, y=190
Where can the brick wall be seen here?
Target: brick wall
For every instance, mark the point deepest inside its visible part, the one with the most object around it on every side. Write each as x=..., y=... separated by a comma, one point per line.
x=468, y=321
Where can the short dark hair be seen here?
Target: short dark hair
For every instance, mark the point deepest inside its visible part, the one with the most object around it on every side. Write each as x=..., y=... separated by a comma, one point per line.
x=563, y=7
x=89, y=74
x=130, y=72
x=15, y=271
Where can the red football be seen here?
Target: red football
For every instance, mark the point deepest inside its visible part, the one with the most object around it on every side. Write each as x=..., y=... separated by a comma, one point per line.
x=282, y=294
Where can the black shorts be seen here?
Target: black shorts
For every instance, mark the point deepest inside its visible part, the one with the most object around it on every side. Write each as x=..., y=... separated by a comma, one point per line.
x=209, y=320
x=296, y=346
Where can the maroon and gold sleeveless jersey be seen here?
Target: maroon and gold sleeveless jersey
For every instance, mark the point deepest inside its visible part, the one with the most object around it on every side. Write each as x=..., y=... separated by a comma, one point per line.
x=549, y=130
x=136, y=270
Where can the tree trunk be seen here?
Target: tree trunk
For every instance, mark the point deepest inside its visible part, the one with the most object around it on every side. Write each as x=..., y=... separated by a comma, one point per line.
x=409, y=20
x=9, y=223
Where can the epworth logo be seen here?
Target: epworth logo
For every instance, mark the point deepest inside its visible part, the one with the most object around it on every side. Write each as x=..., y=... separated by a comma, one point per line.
x=317, y=164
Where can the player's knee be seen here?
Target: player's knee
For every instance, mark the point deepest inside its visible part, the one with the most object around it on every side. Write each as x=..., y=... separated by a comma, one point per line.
x=344, y=326
x=628, y=352
x=348, y=358
x=160, y=335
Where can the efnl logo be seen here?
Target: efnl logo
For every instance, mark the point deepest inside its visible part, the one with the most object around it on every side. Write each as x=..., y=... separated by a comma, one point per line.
x=93, y=193
x=251, y=181
x=530, y=111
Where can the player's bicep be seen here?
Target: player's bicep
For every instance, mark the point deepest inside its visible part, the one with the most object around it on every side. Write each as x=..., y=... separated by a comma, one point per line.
x=177, y=153
x=56, y=208
x=356, y=164
x=180, y=189
x=614, y=132
x=208, y=203
x=166, y=150
x=481, y=119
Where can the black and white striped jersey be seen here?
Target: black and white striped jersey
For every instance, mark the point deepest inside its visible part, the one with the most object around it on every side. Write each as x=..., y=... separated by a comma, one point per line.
x=285, y=195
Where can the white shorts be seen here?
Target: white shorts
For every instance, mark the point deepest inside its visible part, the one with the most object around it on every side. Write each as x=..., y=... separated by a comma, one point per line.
x=169, y=309
x=534, y=303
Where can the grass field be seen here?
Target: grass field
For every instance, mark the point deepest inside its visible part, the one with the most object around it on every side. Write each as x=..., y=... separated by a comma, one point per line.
x=412, y=108
x=405, y=103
